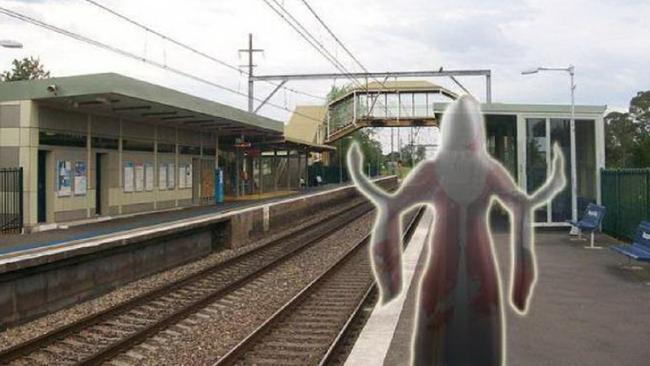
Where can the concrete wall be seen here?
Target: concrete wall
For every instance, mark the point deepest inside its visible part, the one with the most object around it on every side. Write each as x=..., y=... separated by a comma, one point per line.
x=19, y=146
x=115, y=200
x=39, y=284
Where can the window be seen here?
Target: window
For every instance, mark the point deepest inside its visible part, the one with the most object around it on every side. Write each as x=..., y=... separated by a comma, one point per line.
x=104, y=143
x=61, y=139
x=166, y=148
x=137, y=145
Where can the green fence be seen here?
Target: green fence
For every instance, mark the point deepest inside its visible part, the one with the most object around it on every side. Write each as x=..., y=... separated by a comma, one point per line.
x=333, y=174
x=625, y=194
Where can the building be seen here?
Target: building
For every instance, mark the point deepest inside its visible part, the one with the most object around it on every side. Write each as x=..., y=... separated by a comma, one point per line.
x=105, y=145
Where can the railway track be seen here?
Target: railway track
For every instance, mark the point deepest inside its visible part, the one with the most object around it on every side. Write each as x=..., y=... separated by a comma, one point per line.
x=309, y=329
x=103, y=336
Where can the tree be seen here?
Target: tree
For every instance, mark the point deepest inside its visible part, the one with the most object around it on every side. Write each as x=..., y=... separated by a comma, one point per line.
x=627, y=135
x=413, y=154
x=620, y=139
x=25, y=69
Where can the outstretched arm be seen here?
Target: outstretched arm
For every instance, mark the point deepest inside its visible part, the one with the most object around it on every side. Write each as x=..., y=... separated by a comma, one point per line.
x=523, y=265
x=386, y=245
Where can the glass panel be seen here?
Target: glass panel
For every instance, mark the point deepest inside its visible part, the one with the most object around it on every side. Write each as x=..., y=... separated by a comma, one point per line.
x=430, y=105
x=393, y=104
x=378, y=105
x=406, y=100
x=362, y=105
x=420, y=105
x=561, y=205
x=585, y=163
x=536, y=150
x=501, y=131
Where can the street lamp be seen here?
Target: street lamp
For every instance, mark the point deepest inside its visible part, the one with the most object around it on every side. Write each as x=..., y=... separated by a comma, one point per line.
x=571, y=71
x=7, y=43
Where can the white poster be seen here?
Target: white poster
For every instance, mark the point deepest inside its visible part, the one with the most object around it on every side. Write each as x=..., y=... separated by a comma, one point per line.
x=170, y=176
x=64, y=178
x=188, y=176
x=80, y=178
x=139, y=177
x=181, y=176
x=128, y=177
x=148, y=177
x=162, y=176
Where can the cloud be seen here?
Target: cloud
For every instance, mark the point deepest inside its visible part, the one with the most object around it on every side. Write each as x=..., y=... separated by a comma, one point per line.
x=606, y=41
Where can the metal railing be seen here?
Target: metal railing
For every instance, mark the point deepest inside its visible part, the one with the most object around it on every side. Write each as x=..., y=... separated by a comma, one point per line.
x=11, y=200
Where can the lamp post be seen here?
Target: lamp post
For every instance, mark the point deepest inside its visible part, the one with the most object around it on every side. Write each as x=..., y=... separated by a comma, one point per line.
x=574, y=186
x=7, y=43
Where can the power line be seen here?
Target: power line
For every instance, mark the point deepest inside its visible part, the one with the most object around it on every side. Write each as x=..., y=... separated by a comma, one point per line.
x=347, y=50
x=307, y=36
x=187, y=47
x=320, y=20
x=128, y=54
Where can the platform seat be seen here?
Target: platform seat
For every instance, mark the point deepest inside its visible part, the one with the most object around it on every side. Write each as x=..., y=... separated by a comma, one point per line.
x=640, y=248
x=590, y=221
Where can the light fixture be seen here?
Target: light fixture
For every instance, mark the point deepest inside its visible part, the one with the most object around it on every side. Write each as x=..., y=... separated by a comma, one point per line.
x=530, y=71
x=7, y=43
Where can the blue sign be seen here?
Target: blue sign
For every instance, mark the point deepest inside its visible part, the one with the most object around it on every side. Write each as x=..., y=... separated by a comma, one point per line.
x=218, y=185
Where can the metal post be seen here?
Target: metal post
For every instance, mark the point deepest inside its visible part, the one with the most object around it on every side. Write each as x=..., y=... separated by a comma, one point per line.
x=21, y=191
x=306, y=167
x=236, y=172
x=488, y=87
x=250, y=73
x=275, y=170
x=261, y=174
x=299, y=168
x=288, y=169
x=251, y=77
x=340, y=154
x=574, y=187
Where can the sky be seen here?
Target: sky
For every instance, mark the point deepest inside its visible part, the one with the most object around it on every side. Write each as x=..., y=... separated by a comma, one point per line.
x=606, y=40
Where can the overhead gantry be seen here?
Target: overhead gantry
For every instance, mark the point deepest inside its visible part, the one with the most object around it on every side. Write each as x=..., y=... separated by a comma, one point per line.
x=388, y=104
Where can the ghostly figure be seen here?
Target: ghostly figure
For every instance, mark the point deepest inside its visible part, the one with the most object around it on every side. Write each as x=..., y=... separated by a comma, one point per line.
x=459, y=314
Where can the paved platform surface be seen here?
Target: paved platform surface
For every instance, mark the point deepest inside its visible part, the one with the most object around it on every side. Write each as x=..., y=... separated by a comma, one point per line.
x=586, y=310
x=13, y=243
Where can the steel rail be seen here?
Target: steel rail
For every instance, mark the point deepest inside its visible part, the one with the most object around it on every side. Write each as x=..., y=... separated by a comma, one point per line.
x=239, y=351
x=41, y=342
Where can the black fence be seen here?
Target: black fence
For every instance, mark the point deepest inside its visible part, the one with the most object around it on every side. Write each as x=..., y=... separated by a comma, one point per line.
x=11, y=200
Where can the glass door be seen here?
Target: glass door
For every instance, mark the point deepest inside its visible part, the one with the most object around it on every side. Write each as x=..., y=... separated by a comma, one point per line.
x=537, y=146
x=560, y=133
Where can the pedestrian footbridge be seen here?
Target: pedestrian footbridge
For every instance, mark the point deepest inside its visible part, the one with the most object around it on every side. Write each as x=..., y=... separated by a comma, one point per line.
x=388, y=104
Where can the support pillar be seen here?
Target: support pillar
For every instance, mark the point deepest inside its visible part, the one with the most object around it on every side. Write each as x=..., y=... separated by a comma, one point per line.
x=274, y=167
x=288, y=170
x=307, y=167
x=237, y=169
x=261, y=174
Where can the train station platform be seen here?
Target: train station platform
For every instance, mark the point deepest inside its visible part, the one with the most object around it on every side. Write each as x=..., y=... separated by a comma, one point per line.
x=47, y=271
x=88, y=229
x=587, y=309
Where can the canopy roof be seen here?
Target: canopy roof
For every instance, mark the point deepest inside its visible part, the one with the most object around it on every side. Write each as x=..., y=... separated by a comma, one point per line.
x=136, y=100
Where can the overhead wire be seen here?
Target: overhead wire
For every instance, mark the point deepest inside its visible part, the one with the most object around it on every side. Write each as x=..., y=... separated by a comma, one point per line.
x=288, y=18
x=188, y=47
x=79, y=37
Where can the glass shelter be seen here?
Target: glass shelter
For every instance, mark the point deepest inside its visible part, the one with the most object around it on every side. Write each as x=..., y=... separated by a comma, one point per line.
x=521, y=137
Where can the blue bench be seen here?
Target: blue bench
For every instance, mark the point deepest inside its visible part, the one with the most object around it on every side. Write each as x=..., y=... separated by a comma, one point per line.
x=590, y=221
x=639, y=249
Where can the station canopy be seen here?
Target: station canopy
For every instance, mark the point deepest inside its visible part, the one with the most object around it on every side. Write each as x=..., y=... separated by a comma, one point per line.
x=119, y=96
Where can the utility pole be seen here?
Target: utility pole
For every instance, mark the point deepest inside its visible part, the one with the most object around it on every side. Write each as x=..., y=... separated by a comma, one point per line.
x=250, y=50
